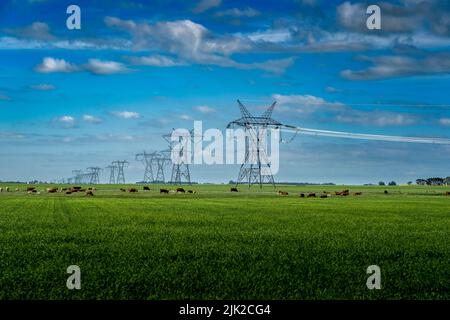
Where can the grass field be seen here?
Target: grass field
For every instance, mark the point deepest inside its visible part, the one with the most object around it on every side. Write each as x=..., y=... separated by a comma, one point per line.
x=220, y=245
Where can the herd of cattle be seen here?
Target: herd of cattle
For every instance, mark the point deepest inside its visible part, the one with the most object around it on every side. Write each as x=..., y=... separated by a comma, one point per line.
x=90, y=191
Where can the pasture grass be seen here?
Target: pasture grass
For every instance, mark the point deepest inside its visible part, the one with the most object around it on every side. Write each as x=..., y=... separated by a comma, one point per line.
x=220, y=245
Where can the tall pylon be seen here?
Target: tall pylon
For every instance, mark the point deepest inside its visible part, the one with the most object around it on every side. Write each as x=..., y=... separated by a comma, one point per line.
x=112, y=174
x=120, y=164
x=180, y=169
x=147, y=161
x=256, y=166
x=94, y=174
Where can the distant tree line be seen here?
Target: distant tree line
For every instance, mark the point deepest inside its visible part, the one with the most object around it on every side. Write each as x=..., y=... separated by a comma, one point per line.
x=433, y=181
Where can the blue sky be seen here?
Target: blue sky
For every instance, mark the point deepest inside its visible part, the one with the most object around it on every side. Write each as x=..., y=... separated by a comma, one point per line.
x=71, y=99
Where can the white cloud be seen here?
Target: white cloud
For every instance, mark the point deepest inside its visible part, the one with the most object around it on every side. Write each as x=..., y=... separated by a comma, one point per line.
x=91, y=118
x=51, y=65
x=101, y=67
x=205, y=5
x=66, y=121
x=304, y=104
x=126, y=114
x=155, y=60
x=444, y=121
x=36, y=31
x=4, y=98
x=204, y=109
x=185, y=117
x=42, y=87
x=239, y=13
x=401, y=66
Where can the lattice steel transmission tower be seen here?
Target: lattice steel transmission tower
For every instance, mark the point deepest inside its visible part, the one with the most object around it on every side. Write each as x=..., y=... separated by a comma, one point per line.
x=147, y=160
x=162, y=159
x=77, y=176
x=120, y=164
x=94, y=174
x=180, y=169
x=112, y=174
x=256, y=166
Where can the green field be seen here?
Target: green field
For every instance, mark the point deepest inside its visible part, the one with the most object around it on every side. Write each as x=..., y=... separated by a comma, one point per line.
x=220, y=245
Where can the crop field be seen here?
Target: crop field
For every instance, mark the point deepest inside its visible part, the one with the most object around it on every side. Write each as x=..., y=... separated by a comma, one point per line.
x=215, y=244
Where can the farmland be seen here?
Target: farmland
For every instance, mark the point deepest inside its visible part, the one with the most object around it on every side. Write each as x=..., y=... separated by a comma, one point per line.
x=215, y=244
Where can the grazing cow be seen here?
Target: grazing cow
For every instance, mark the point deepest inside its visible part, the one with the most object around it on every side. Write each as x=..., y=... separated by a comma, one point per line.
x=132, y=190
x=283, y=193
x=68, y=192
x=17, y=189
x=191, y=191
x=324, y=196
x=311, y=195
x=63, y=189
x=338, y=193
x=7, y=189
x=181, y=190
x=52, y=190
x=123, y=190
x=146, y=188
x=89, y=193
x=357, y=193
x=447, y=193
x=163, y=191
x=386, y=192
x=30, y=188
x=302, y=195
x=233, y=190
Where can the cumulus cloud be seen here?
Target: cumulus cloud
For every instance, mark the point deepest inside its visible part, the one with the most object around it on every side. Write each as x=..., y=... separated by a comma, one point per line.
x=66, y=121
x=155, y=61
x=205, y=5
x=444, y=121
x=101, y=67
x=185, y=117
x=36, y=31
x=42, y=87
x=401, y=66
x=126, y=114
x=94, y=66
x=91, y=119
x=238, y=13
x=307, y=105
x=204, y=109
x=51, y=65
x=192, y=43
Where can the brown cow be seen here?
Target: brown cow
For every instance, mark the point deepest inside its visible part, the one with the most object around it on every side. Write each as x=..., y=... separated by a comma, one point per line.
x=163, y=191
x=447, y=193
x=233, y=190
x=357, y=193
x=89, y=193
x=181, y=190
x=324, y=196
x=283, y=193
x=302, y=195
x=30, y=188
x=311, y=195
x=133, y=190
x=52, y=190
